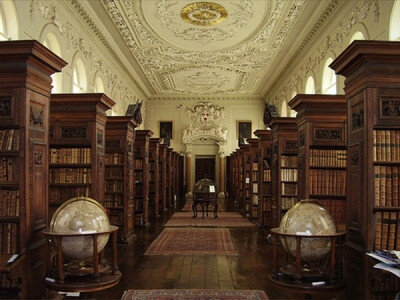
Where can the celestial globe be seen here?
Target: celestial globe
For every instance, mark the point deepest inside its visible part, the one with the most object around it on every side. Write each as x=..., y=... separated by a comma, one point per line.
x=308, y=218
x=80, y=215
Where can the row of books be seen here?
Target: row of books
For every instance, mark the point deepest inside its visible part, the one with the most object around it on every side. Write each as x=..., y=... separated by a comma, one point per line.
x=267, y=189
x=337, y=209
x=9, y=139
x=288, y=189
x=8, y=170
x=386, y=145
x=61, y=194
x=289, y=174
x=138, y=176
x=387, y=230
x=255, y=166
x=266, y=175
x=114, y=158
x=8, y=238
x=114, y=186
x=9, y=202
x=138, y=164
x=116, y=217
x=114, y=200
x=114, y=172
x=327, y=182
x=70, y=156
x=289, y=161
x=70, y=175
x=386, y=179
x=7, y=282
x=328, y=158
x=255, y=188
x=288, y=202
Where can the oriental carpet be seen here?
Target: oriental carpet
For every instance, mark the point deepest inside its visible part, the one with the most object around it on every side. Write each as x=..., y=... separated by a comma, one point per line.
x=191, y=294
x=225, y=219
x=192, y=241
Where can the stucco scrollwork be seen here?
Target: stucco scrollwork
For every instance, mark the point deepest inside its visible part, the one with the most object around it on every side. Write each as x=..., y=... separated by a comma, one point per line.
x=205, y=114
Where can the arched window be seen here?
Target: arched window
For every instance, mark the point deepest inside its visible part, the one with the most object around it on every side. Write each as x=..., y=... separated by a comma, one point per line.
x=284, y=109
x=310, y=86
x=51, y=42
x=292, y=112
x=79, y=77
x=98, y=85
x=328, y=79
x=358, y=35
x=8, y=21
x=3, y=34
x=394, y=27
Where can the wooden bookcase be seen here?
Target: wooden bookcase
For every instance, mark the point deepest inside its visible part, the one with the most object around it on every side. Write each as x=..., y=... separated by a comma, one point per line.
x=284, y=166
x=372, y=89
x=264, y=178
x=154, y=177
x=322, y=152
x=141, y=169
x=76, y=141
x=237, y=179
x=25, y=86
x=169, y=181
x=119, y=175
x=162, y=162
x=254, y=187
x=244, y=180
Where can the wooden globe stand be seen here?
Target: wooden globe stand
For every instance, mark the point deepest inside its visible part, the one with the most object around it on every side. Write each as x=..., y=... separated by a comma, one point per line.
x=91, y=277
x=294, y=275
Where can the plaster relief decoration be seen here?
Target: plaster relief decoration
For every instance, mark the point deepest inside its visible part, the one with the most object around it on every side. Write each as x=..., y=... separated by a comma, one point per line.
x=224, y=47
x=206, y=124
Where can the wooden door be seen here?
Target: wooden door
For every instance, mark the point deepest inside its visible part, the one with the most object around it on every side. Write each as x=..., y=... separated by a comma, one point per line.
x=205, y=166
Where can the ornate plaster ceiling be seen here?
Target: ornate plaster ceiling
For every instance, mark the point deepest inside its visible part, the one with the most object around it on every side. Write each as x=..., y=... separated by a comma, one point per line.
x=224, y=47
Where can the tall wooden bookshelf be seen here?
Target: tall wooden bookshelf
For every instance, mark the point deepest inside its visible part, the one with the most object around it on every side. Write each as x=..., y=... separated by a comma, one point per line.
x=322, y=152
x=372, y=89
x=254, y=187
x=141, y=169
x=162, y=162
x=264, y=178
x=237, y=180
x=25, y=86
x=244, y=181
x=77, y=140
x=154, y=177
x=169, y=181
x=284, y=166
x=119, y=175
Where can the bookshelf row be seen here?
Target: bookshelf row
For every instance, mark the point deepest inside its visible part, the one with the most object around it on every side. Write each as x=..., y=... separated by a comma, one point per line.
x=70, y=156
x=9, y=139
x=386, y=179
x=386, y=145
x=327, y=182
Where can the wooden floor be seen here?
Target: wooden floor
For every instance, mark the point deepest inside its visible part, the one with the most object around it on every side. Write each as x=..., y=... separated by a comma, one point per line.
x=249, y=270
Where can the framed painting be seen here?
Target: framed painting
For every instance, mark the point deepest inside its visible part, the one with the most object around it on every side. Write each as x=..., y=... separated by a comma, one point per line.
x=166, y=129
x=244, y=129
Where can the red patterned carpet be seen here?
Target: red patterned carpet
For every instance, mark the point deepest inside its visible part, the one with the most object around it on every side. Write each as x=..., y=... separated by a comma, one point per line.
x=192, y=241
x=194, y=294
x=225, y=219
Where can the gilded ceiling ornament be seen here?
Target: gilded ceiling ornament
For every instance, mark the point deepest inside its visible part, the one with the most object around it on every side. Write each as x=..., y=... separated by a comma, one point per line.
x=204, y=13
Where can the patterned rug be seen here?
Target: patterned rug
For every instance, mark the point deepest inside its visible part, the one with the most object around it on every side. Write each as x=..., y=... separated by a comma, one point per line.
x=194, y=294
x=225, y=219
x=189, y=203
x=192, y=241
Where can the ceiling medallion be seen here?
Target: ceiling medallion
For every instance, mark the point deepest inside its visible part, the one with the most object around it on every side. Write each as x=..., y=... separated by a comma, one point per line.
x=204, y=13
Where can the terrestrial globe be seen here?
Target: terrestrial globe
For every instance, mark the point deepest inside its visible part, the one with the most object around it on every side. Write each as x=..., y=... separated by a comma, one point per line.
x=80, y=215
x=308, y=218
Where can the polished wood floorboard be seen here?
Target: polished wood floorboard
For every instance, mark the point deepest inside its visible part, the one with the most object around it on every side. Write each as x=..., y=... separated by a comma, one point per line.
x=249, y=270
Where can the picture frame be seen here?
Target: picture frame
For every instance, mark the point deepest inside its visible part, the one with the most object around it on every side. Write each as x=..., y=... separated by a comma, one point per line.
x=244, y=129
x=166, y=129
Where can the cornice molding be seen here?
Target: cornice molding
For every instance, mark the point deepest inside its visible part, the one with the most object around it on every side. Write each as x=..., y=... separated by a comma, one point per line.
x=230, y=98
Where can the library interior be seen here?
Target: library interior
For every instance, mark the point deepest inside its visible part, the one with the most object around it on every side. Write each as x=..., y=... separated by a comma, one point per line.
x=228, y=149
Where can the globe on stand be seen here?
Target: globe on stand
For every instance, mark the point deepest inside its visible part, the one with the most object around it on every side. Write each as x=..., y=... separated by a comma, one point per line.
x=307, y=218
x=80, y=215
